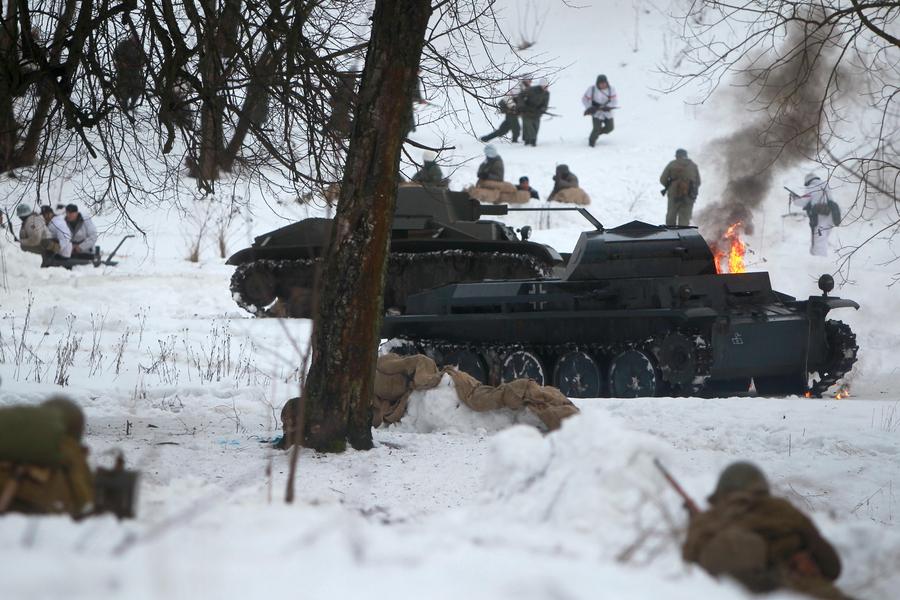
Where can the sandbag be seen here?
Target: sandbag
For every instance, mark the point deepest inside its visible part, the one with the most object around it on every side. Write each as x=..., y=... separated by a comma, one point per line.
x=495, y=192
x=31, y=434
x=396, y=377
x=65, y=488
x=571, y=196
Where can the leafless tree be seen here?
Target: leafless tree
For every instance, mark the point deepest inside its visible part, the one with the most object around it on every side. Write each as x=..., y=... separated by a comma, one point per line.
x=812, y=72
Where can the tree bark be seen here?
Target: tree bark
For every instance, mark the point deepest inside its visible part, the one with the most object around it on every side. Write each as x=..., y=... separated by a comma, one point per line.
x=340, y=382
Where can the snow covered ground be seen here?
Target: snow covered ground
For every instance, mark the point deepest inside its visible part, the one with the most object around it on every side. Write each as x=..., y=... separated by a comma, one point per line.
x=174, y=374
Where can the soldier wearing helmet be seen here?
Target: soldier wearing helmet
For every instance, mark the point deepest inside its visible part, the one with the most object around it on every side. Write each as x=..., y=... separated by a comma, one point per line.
x=430, y=173
x=43, y=466
x=33, y=233
x=760, y=540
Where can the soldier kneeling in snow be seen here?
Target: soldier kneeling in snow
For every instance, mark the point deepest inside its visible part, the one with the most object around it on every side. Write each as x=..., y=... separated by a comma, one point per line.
x=565, y=188
x=491, y=187
x=761, y=541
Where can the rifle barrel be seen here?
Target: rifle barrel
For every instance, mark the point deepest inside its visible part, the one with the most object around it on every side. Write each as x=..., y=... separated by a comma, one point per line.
x=688, y=501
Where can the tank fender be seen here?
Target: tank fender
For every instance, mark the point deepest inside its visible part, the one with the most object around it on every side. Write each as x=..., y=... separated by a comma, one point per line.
x=833, y=303
x=241, y=256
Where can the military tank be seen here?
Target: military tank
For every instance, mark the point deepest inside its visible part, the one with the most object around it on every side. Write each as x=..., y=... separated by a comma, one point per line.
x=638, y=311
x=438, y=237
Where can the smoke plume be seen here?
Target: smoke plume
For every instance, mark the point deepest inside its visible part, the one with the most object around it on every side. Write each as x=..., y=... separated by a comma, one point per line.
x=785, y=90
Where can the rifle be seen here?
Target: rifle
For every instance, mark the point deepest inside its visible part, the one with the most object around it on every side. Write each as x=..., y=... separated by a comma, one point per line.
x=689, y=503
x=663, y=191
x=793, y=195
x=791, y=192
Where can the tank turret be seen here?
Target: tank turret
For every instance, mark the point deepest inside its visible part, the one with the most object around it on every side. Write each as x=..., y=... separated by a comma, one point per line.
x=437, y=237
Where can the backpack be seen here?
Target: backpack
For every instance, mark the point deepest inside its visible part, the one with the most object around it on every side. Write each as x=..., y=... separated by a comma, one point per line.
x=681, y=183
x=835, y=212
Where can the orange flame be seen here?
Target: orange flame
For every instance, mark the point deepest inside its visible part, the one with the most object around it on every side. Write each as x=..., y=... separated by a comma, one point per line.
x=843, y=392
x=730, y=251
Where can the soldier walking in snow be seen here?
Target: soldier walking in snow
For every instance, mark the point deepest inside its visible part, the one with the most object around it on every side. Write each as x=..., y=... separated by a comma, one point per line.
x=760, y=540
x=599, y=101
x=681, y=182
x=534, y=102
x=823, y=212
x=509, y=106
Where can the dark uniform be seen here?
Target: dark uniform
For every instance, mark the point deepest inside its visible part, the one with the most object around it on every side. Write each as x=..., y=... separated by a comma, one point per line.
x=761, y=541
x=128, y=58
x=430, y=174
x=510, y=107
x=563, y=179
x=525, y=186
x=491, y=169
x=681, y=180
x=43, y=466
x=534, y=102
x=343, y=105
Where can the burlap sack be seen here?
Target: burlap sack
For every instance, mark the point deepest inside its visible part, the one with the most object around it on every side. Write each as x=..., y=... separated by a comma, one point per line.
x=571, y=196
x=495, y=192
x=397, y=377
x=483, y=194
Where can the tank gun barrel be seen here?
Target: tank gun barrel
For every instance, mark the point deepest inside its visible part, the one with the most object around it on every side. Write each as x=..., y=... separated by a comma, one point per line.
x=583, y=211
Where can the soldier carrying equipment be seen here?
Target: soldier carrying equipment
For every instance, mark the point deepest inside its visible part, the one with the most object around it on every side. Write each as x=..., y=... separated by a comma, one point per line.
x=761, y=541
x=44, y=469
x=681, y=182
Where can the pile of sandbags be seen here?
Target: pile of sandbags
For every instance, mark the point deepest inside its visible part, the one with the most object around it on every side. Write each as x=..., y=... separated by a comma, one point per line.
x=397, y=377
x=574, y=195
x=497, y=192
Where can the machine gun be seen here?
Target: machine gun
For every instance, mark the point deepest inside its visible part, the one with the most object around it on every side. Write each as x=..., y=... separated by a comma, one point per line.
x=115, y=490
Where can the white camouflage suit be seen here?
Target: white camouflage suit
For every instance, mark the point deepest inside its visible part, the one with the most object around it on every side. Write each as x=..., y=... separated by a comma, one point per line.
x=817, y=193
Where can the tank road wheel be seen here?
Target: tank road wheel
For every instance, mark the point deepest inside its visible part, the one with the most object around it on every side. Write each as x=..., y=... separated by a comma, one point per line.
x=255, y=286
x=522, y=364
x=677, y=360
x=632, y=375
x=577, y=375
x=842, y=350
x=400, y=347
x=467, y=361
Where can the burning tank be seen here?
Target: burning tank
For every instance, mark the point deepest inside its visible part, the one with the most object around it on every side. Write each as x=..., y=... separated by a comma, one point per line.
x=639, y=310
x=438, y=237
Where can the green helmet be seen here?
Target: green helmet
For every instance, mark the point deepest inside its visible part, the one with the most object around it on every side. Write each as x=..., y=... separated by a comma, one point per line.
x=72, y=415
x=740, y=477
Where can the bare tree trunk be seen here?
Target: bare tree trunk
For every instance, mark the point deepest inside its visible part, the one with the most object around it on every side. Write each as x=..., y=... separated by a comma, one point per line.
x=8, y=70
x=340, y=381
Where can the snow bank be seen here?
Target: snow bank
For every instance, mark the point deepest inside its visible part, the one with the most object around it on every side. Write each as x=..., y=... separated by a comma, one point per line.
x=440, y=410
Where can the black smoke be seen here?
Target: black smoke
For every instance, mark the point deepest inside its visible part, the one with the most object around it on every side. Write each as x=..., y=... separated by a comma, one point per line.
x=781, y=99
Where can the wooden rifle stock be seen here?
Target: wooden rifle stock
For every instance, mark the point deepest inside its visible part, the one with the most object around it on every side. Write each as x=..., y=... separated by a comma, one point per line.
x=689, y=503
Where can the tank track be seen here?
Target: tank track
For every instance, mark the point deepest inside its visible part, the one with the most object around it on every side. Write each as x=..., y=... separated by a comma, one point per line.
x=494, y=353
x=841, y=356
x=408, y=273
x=841, y=341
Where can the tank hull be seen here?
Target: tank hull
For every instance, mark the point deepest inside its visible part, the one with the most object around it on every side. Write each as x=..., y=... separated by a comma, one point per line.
x=698, y=333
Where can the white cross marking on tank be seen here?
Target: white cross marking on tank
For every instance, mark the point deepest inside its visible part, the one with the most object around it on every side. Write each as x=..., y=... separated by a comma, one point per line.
x=537, y=288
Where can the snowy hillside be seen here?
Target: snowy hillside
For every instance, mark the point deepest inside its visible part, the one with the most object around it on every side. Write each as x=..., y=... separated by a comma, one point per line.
x=172, y=372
